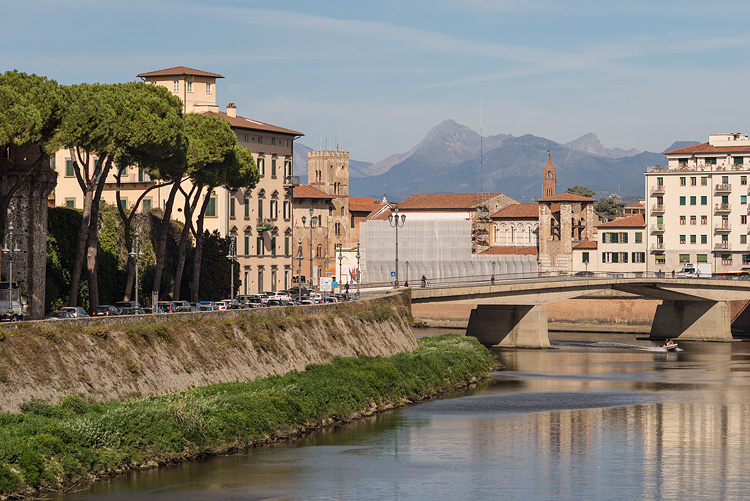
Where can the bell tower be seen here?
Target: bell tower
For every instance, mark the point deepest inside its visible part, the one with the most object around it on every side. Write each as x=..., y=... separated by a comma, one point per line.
x=549, y=183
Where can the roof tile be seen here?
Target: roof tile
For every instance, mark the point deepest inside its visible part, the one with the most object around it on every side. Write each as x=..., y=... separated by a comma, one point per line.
x=179, y=70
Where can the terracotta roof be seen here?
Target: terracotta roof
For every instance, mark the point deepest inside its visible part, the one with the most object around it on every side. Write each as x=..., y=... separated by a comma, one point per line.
x=518, y=211
x=306, y=191
x=635, y=221
x=364, y=204
x=637, y=205
x=707, y=148
x=518, y=251
x=586, y=244
x=566, y=197
x=179, y=70
x=246, y=123
x=443, y=201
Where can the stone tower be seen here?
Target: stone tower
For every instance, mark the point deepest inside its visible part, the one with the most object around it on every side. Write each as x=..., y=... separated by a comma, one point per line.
x=549, y=183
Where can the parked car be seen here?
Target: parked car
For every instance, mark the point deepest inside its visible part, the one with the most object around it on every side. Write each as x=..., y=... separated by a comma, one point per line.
x=168, y=306
x=130, y=310
x=105, y=310
x=207, y=306
x=316, y=297
x=127, y=304
x=182, y=306
x=77, y=311
x=276, y=302
x=58, y=314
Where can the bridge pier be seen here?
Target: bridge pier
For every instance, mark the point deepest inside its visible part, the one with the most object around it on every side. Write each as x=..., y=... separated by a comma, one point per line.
x=692, y=320
x=509, y=325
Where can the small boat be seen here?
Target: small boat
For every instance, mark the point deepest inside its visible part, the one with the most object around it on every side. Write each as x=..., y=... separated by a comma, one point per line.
x=670, y=345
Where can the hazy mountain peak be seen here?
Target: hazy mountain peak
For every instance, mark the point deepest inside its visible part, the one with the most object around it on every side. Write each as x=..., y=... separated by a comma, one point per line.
x=589, y=143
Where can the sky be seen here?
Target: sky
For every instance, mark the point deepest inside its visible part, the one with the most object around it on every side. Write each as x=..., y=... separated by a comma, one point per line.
x=373, y=77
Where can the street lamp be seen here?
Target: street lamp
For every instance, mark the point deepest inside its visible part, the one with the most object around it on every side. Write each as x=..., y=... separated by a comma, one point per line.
x=136, y=254
x=9, y=247
x=406, y=282
x=299, y=259
x=232, y=256
x=357, y=270
x=341, y=257
x=492, y=279
x=313, y=223
x=393, y=220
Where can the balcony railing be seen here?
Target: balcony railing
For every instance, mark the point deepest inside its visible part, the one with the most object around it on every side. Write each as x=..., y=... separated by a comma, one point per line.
x=723, y=228
x=657, y=228
x=723, y=188
x=657, y=190
x=723, y=246
x=657, y=208
x=291, y=181
x=723, y=207
x=264, y=224
x=657, y=246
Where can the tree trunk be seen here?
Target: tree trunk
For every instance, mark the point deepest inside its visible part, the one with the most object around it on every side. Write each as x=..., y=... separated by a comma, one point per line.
x=75, y=274
x=191, y=200
x=161, y=247
x=199, y=247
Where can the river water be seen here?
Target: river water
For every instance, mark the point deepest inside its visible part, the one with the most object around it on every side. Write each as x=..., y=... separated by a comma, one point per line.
x=598, y=417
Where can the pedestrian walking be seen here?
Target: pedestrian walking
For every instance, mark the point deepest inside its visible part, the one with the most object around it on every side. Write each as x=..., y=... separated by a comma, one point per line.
x=424, y=281
x=492, y=279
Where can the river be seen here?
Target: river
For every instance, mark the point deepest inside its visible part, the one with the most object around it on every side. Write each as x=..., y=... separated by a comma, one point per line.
x=599, y=417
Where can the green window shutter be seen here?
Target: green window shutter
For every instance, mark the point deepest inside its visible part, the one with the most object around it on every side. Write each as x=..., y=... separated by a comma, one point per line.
x=247, y=245
x=69, y=168
x=286, y=246
x=211, y=208
x=273, y=167
x=704, y=200
x=247, y=208
x=638, y=237
x=273, y=246
x=682, y=200
x=260, y=209
x=232, y=202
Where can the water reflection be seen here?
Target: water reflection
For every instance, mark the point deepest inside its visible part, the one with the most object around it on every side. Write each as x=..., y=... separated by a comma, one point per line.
x=592, y=419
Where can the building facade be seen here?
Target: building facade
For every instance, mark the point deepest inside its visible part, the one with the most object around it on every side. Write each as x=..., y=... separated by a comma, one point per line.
x=697, y=206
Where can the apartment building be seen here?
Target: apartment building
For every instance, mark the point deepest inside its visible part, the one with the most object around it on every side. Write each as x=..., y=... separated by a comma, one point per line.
x=259, y=218
x=697, y=206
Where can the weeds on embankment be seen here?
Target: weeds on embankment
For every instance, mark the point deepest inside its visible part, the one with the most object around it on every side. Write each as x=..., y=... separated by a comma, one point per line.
x=49, y=447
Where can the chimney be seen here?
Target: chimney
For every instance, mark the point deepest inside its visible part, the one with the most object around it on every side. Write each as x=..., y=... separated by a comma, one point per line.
x=231, y=110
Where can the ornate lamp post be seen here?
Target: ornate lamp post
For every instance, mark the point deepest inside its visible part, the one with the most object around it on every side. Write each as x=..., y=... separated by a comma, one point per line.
x=406, y=282
x=232, y=256
x=341, y=257
x=394, y=221
x=136, y=254
x=299, y=259
x=357, y=270
x=492, y=279
x=9, y=247
x=313, y=224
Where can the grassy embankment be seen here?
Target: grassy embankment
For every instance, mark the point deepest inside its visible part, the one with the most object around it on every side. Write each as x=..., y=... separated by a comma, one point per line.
x=73, y=442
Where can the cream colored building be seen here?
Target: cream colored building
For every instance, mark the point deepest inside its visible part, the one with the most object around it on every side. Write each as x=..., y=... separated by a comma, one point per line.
x=697, y=206
x=260, y=218
x=620, y=248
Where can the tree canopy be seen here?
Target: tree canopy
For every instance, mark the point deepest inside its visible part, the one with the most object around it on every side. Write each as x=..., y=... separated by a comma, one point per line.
x=609, y=208
x=582, y=191
x=30, y=108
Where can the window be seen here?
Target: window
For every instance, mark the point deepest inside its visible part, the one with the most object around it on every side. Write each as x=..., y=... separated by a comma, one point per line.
x=682, y=200
x=660, y=259
x=737, y=160
x=743, y=180
x=124, y=203
x=684, y=258
x=682, y=239
x=710, y=161
x=682, y=162
x=623, y=238
x=704, y=200
x=726, y=259
x=287, y=210
x=211, y=208
x=146, y=205
x=704, y=219
x=743, y=199
x=701, y=258
x=70, y=203
x=660, y=182
x=70, y=168
x=261, y=166
x=724, y=179
x=273, y=168
x=584, y=257
x=682, y=181
x=319, y=251
x=274, y=209
x=704, y=180
x=704, y=239
x=143, y=177
x=693, y=181
x=286, y=246
x=623, y=257
x=638, y=237
x=682, y=219
x=743, y=239
x=743, y=219
x=337, y=228
x=208, y=91
x=693, y=220
x=260, y=250
x=287, y=168
x=175, y=86
x=231, y=207
x=692, y=200
x=260, y=209
x=273, y=246
x=247, y=245
x=639, y=257
x=190, y=86
x=247, y=208
x=693, y=239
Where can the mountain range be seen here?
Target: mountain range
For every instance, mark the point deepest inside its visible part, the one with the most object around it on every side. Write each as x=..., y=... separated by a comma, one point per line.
x=452, y=158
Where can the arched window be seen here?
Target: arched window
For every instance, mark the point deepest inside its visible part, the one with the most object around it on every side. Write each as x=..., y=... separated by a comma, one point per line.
x=319, y=251
x=337, y=228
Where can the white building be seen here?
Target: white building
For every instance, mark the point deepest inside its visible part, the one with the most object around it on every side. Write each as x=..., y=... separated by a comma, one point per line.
x=697, y=206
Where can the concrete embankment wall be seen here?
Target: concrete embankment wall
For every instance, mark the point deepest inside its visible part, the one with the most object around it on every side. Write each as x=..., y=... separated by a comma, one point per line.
x=127, y=357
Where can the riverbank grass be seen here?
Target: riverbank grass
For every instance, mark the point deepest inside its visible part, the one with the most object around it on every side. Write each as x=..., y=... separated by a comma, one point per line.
x=50, y=447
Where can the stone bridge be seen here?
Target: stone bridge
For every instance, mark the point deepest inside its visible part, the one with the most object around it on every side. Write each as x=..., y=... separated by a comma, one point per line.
x=510, y=313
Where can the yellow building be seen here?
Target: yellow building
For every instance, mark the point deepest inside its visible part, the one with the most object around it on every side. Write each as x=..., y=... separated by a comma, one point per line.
x=259, y=218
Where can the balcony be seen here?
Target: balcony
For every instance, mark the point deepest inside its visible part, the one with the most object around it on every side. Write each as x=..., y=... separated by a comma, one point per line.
x=657, y=208
x=290, y=181
x=723, y=188
x=723, y=228
x=264, y=224
x=657, y=190
x=723, y=245
x=657, y=228
x=658, y=246
x=723, y=208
